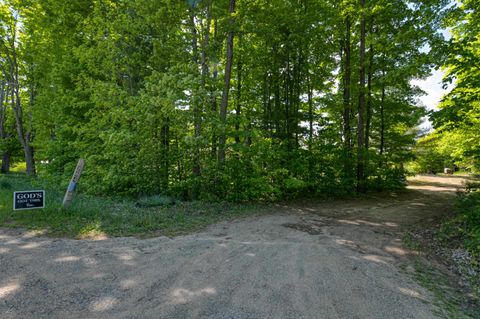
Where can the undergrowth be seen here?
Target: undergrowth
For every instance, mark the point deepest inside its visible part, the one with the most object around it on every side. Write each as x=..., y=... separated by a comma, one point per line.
x=92, y=216
x=449, y=302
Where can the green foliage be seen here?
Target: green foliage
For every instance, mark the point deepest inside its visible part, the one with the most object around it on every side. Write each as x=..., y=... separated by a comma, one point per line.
x=465, y=226
x=135, y=87
x=96, y=216
x=390, y=178
x=458, y=120
x=449, y=302
x=431, y=157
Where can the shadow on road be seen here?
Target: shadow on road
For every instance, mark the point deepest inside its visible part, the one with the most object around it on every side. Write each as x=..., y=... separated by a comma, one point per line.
x=329, y=259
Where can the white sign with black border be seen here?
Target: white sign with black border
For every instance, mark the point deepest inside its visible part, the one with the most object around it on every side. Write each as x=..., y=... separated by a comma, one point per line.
x=28, y=200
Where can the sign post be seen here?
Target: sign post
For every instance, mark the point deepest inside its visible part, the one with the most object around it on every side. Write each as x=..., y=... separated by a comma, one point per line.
x=67, y=200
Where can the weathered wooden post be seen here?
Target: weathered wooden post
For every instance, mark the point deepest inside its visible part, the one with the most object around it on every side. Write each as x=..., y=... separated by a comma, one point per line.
x=67, y=200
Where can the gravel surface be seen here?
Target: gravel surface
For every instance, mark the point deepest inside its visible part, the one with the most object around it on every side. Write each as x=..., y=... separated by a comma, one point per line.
x=306, y=261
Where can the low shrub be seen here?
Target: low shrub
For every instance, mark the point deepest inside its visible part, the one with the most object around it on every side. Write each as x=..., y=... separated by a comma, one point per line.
x=465, y=226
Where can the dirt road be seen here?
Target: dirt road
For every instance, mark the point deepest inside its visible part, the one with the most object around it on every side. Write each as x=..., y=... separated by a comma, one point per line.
x=335, y=259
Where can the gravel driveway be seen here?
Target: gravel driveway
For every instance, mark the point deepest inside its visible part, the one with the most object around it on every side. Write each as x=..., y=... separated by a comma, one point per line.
x=306, y=261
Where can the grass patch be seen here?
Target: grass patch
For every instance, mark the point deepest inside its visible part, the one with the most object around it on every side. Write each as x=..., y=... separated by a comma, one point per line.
x=410, y=242
x=449, y=302
x=463, y=230
x=19, y=167
x=93, y=216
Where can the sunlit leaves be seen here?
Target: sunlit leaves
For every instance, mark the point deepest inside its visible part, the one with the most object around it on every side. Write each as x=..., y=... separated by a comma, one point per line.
x=460, y=111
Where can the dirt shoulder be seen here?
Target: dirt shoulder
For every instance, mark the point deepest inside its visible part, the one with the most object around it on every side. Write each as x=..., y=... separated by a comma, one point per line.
x=325, y=259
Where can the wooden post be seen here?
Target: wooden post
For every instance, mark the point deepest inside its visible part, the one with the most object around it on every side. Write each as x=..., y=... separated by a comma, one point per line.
x=67, y=200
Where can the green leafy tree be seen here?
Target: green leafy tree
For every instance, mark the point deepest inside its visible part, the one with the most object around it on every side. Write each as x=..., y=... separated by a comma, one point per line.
x=458, y=120
x=234, y=100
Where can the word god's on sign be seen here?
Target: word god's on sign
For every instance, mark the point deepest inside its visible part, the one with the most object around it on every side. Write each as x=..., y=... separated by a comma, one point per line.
x=28, y=200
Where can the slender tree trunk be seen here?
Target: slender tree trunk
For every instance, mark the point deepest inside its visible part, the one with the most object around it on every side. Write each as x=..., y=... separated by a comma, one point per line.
x=226, y=88
x=29, y=154
x=22, y=138
x=214, y=132
x=267, y=109
x=382, y=121
x=206, y=70
x=287, y=101
x=196, y=169
x=165, y=139
x=298, y=81
x=213, y=97
x=369, y=112
x=5, y=169
x=311, y=159
x=310, y=115
x=3, y=118
x=369, y=98
x=205, y=47
x=274, y=88
x=3, y=115
x=248, y=140
x=238, y=105
x=361, y=185
x=347, y=131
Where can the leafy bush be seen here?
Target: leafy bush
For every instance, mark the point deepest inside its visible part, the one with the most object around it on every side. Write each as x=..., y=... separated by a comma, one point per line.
x=465, y=226
x=472, y=186
x=388, y=179
x=5, y=184
x=432, y=155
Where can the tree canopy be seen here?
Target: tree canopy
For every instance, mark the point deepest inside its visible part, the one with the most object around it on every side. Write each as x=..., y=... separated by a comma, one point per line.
x=457, y=123
x=234, y=100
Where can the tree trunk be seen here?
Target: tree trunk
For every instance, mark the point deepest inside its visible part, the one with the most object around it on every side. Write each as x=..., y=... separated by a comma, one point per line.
x=30, y=160
x=24, y=137
x=382, y=121
x=287, y=102
x=361, y=185
x=213, y=98
x=3, y=111
x=165, y=139
x=196, y=169
x=226, y=88
x=205, y=47
x=298, y=81
x=369, y=99
x=27, y=148
x=310, y=115
x=238, y=106
x=3, y=117
x=275, y=83
x=347, y=131
x=29, y=154
x=5, y=169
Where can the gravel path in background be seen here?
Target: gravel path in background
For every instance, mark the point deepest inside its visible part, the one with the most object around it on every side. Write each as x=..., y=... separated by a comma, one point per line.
x=309, y=260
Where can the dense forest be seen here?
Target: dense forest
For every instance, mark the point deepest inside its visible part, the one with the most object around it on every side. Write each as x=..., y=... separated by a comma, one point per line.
x=236, y=100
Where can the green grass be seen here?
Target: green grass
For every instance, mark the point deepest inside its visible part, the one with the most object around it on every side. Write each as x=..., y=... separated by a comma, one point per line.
x=93, y=216
x=449, y=302
x=463, y=230
x=410, y=242
x=19, y=167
